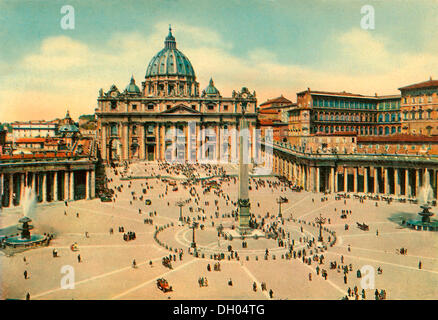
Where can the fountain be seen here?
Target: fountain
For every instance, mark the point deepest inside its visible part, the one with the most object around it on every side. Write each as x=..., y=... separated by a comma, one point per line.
x=25, y=239
x=425, y=222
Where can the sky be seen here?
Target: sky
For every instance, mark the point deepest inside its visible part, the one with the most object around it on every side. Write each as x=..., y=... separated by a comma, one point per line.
x=271, y=46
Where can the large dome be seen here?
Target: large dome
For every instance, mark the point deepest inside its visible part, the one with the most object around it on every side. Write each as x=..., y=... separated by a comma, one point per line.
x=170, y=61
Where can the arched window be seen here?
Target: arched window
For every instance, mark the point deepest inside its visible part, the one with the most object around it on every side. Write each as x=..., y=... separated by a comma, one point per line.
x=380, y=130
x=386, y=130
x=393, y=130
x=380, y=117
x=386, y=117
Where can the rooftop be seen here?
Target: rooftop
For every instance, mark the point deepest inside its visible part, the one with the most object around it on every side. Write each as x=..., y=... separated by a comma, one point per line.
x=425, y=84
x=399, y=138
x=277, y=100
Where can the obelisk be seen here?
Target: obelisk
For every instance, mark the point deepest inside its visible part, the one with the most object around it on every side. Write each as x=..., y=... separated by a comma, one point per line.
x=243, y=201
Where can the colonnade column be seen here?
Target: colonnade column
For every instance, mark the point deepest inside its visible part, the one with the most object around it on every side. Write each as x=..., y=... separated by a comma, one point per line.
x=317, y=180
x=365, y=180
x=21, y=188
x=87, y=184
x=55, y=186
x=386, y=181
x=336, y=180
x=355, y=179
x=11, y=189
x=417, y=182
x=407, y=183
x=93, y=185
x=376, y=182
x=44, y=186
x=72, y=184
x=396, y=182
x=345, y=179
x=66, y=193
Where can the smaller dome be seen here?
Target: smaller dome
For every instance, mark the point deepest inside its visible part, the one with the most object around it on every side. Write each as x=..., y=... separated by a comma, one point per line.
x=68, y=128
x=211, y=89
x=132, y=87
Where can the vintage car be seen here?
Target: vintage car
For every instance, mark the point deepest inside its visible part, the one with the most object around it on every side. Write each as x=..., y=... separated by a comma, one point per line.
x=163, y=285
x=147, y=202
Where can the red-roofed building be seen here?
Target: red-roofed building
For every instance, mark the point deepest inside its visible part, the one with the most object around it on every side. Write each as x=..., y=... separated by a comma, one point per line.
x=273, y=114
x=419, y=108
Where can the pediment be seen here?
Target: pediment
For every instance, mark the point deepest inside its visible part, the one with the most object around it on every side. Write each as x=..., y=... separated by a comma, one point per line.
x=181, y=109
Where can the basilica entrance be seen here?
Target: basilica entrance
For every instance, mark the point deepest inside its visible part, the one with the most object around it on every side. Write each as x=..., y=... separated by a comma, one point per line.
x=150, y=156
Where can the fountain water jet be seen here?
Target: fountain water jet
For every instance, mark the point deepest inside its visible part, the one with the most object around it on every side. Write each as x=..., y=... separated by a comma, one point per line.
x=25, y=239
x=425, y=196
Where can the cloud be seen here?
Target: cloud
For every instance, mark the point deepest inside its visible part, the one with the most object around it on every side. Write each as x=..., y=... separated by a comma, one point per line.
x=68, y=73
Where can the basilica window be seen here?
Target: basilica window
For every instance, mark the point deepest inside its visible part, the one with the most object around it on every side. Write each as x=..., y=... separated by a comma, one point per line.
x=225, y=108
x=429, y=99
x=113, y=105
x=134, y=107
x=150, y=107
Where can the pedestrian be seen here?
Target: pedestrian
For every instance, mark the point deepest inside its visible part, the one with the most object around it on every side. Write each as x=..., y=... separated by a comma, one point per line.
x=419, y=265
x=79, y=258
x=25, y=274
x=28, y=296
x=271, y=293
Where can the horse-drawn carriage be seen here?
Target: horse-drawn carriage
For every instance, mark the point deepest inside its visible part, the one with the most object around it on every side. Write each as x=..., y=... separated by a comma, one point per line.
x=166, y=263
x=363, y=226
x=163, y=285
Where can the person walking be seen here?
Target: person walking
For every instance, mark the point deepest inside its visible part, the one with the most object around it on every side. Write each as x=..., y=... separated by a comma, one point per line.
x=79, y=258
x=25, y=274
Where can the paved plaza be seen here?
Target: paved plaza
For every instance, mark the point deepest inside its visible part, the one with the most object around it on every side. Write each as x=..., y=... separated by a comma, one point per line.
x=106, y=269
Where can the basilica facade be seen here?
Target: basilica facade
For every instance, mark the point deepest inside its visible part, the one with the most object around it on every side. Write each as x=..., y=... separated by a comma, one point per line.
x=169, y=118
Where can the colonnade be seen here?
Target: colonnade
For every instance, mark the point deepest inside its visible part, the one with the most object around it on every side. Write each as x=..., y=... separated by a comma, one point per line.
x=367, y=177
x=49, y=186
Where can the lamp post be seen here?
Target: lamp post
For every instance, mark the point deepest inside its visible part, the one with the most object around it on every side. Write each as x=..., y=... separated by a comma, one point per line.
x=180, y=204
x=320, y=220
x=194, y=226
x=281, y=200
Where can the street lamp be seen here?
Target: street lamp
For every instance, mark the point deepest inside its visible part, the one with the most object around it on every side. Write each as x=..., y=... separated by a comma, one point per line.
x=180, y=204
x=281, y=200
x=320, y=220
x=194, y=226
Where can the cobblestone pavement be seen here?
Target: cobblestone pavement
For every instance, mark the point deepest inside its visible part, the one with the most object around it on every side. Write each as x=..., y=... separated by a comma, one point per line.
x=106, y=271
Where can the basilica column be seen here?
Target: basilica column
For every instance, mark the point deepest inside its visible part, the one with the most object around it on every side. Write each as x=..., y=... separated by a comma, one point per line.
x=55, y=186
x=104, y=143
x=125, y=141
x=142, y=141
x=218, y=142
